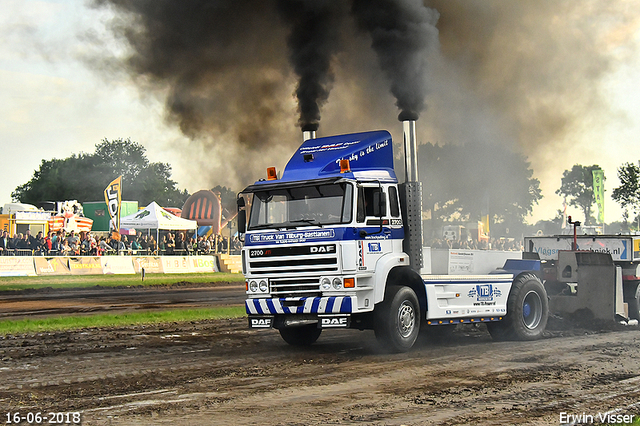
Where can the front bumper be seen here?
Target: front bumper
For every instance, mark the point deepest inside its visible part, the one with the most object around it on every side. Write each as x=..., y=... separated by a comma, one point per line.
x=301, y=305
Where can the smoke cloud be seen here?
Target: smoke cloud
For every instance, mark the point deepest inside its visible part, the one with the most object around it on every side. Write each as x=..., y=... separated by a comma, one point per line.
x=403, y=33
x=232, y=74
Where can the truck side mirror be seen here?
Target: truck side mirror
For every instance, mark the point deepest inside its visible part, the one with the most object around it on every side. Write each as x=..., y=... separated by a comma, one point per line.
x=242, y=215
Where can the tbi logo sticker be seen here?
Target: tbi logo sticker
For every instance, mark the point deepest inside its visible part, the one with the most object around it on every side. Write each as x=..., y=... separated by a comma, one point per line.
x=484, y=293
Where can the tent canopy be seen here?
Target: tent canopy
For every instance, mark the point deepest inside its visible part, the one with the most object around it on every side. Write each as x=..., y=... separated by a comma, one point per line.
x=155, y=217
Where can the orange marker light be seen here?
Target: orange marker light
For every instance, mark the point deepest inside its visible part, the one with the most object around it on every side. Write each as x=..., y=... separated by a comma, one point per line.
x=345, y=166
x=271, y=173
x=349, y=283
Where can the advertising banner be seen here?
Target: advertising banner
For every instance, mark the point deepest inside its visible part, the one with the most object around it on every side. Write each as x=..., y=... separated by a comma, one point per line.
x=203, y=264
x=151, y=265
x=175, y=264
x=113, y=198
x=11, y=266
x=85, y=265
x=51, y=265
x=598, y=192
x=116, y=265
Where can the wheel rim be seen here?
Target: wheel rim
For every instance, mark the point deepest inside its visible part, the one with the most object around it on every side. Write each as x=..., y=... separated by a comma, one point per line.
x=406, y=319
x=532, y=310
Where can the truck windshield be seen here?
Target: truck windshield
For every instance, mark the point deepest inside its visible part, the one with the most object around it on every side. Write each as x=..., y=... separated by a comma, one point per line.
x=302, y=206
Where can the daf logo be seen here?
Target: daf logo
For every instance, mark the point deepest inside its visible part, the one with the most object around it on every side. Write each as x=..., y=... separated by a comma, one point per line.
x=261, y=322
x=335, y=322
x=322, y=249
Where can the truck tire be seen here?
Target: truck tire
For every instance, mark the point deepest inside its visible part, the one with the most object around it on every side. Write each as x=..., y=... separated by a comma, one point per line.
x=300, y=336
x=397, y=319
x=632, y=297
x=527, y=311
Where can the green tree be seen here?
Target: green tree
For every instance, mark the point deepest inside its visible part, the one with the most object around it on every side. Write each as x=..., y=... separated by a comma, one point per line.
x=628, y=193
x=84, y=177
x=577, y=186
x=466, y=182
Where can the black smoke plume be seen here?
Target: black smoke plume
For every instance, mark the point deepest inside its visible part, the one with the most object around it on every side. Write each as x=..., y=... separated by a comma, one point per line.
x=312, y=42
x=522, y=74
x=403, y=33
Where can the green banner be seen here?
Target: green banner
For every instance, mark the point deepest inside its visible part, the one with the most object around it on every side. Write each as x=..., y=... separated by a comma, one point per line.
x=598, y=192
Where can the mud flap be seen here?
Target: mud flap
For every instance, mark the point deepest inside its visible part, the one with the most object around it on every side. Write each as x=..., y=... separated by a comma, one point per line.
x=261, y=321
x=334, y=321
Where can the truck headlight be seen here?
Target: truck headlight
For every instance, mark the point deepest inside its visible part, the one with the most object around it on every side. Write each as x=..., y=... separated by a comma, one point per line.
x=264, y=287
x=253, y=286
x=325, y=283
x=337, y=283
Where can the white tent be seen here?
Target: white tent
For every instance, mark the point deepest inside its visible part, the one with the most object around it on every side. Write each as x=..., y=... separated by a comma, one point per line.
x=155, y=217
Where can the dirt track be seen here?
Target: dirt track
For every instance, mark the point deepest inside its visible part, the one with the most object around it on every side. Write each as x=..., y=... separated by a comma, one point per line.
x=218, y=372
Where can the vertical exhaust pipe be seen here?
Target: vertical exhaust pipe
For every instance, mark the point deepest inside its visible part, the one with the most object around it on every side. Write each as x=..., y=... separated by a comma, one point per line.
x=410, y=151
x=411, y=196
x=309, y=131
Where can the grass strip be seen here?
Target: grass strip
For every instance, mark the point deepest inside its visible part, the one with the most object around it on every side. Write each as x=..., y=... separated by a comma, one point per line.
x=62, y=323
x=80, y=281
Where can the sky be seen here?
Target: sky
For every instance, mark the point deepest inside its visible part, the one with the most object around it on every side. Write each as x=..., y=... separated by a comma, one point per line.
x=57, y=100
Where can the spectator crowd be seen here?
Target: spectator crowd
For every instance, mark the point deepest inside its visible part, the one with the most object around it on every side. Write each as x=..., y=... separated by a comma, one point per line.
x=61, y=243
x=505, y=244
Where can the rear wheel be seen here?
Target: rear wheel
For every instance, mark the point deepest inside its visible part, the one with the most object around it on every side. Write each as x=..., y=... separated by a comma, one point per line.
x=527, y=311
x=397, y=319
x=632, y=297
x=300, y=336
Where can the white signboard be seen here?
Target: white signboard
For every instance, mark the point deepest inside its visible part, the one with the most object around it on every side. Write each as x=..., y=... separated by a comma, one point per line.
x=620, y=249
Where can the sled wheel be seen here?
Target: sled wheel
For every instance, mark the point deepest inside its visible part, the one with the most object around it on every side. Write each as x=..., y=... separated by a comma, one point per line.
x=632, y=297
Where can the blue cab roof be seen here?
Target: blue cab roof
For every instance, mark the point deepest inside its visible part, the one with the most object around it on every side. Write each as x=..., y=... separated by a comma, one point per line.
x=370, y=156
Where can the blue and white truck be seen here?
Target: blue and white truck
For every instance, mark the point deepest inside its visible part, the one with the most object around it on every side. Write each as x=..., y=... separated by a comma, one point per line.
x=336, y=242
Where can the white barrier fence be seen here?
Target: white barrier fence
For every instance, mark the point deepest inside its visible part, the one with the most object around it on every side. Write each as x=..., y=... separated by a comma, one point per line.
x=13, y=266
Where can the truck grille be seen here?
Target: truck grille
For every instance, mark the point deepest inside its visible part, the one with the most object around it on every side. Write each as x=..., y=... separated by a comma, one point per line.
x=295, y=287
x=294, y=271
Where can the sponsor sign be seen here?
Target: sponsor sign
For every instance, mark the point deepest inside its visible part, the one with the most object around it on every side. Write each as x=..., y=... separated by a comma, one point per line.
x=113, y=198
x=203, y=264
x=548, y=247
x=86, y=265
x=116, y=265
x=16, y=266
x=175, y=264
x=598, y=192
x=51, y=265
x=151, y=264
x=32, y=216
x=292, y=237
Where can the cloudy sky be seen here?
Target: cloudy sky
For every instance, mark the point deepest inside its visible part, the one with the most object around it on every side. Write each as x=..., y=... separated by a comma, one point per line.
x=57, y=97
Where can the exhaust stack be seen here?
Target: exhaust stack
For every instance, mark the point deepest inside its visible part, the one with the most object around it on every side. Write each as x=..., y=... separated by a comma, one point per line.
x=309, y=131
x=410, y=151
x=411, y=196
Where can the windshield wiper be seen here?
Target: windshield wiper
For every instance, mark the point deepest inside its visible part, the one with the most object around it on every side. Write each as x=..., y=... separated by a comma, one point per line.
x=306, y=221
x=264, y=226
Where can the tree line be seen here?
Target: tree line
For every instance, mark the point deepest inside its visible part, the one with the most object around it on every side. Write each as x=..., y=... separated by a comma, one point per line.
x=463, y=182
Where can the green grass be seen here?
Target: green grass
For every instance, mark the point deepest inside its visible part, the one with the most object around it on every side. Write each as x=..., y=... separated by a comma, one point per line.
x=115, y=320
x=78, y=281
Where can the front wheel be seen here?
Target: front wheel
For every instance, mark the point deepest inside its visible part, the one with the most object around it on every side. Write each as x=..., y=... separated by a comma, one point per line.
x=397, y=319
x=300, y=336
x=527, y=311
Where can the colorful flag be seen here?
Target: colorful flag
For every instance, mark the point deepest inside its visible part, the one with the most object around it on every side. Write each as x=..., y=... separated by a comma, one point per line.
x=598, y=192
x=113, y=198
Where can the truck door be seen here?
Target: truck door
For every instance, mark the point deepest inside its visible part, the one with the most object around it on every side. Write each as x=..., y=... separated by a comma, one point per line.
x=371, y=213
